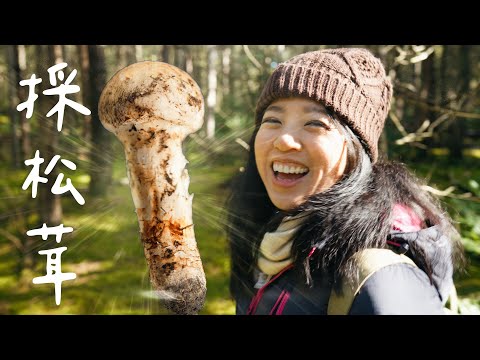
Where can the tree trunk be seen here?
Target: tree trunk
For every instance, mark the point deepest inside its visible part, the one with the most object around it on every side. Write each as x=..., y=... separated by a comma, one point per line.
x=383, y=141
x=14, y=101
x=189, y=60
x=280, y=53
x=444, y=95
x=458, y=125
x=126, y=55
x=223, y=76
x=417, y=83
x=180, y=57
x=465, y=75
x=129, y=53
x=82, y=51
x=444, y=76
x=164, y=55
x=120, y=63
x=50, y=204
x=138, y=53
x=427, y=95
x=422, y=77
x=101, y=167
x=212, y=91
x=234, y=68
x=168, y=54
x=22, y=93
x=226, y=55
x=198, y=66
x=17, y=95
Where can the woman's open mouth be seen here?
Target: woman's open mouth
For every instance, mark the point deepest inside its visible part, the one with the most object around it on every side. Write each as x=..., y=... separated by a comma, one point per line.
x=288, y=174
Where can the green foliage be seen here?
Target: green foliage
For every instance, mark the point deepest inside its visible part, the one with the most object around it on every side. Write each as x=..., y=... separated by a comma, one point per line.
x=466, y=213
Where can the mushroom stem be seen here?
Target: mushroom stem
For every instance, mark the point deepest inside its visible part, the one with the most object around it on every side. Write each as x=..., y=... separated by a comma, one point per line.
x=159, y=184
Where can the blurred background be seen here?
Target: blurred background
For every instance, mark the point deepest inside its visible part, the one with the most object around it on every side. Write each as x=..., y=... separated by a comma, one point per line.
x=433, y=127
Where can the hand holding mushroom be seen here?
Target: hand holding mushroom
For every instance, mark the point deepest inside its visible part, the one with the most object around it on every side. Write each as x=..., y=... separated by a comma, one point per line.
x=151, y=107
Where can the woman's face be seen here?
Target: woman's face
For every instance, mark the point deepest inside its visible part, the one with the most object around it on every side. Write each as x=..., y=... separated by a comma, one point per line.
x=299, y=151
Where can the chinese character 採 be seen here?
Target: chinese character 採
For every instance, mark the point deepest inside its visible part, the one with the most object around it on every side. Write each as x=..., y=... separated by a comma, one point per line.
x=62, y=91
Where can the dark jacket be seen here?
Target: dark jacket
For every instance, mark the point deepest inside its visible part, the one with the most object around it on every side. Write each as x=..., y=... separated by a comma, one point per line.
x=394, y=289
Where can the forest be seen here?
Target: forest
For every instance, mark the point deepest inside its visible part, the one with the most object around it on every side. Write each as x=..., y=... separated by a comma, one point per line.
x=433, y=127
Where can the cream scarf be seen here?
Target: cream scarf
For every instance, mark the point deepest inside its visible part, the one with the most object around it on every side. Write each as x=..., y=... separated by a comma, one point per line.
x=276, y=247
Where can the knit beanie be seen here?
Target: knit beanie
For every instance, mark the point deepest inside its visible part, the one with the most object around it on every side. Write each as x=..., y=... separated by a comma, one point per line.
x=350, y=82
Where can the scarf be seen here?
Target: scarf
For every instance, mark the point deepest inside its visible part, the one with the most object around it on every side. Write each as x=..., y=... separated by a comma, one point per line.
x=276, y=247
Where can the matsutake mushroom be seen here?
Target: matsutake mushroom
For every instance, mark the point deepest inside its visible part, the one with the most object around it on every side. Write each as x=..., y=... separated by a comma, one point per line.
x=151, y=107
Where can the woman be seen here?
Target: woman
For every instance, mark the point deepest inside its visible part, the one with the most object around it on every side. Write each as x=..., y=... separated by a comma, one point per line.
x=316, y=225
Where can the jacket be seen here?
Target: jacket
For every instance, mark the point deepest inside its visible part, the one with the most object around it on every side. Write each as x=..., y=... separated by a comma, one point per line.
x=393, y=290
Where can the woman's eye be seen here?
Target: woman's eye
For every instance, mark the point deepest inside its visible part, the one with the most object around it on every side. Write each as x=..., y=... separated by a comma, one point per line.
x=317, y=123
x=270, y=121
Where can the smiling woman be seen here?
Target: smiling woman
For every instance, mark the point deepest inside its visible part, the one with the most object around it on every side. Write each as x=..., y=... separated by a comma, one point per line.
x=316, y=224
x=299, y=151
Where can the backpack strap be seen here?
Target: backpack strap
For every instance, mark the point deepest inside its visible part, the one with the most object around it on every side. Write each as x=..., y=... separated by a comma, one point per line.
x=368, y=261
x=452, y=307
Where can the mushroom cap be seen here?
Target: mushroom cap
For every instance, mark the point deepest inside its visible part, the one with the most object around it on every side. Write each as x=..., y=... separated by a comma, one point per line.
x=151, y=91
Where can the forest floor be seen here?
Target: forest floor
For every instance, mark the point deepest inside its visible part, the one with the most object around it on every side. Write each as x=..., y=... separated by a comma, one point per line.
x=105, y=252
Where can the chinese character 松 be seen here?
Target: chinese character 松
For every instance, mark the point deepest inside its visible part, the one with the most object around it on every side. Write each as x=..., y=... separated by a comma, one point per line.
x=34, y=177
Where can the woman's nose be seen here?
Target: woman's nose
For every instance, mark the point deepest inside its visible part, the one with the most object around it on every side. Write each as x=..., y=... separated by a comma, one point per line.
x=286, y=142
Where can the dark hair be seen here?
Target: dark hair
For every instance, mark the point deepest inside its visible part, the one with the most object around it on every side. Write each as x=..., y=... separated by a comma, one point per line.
x=354, y=214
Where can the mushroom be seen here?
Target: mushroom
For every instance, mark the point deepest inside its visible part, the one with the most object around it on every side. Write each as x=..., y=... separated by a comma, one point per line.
x=152, y=107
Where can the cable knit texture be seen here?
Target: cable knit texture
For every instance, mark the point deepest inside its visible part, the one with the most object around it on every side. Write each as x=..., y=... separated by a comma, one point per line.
x=349, y=81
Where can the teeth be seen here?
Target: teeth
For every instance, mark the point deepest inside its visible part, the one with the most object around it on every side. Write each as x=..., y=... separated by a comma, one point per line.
x=279, y=167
